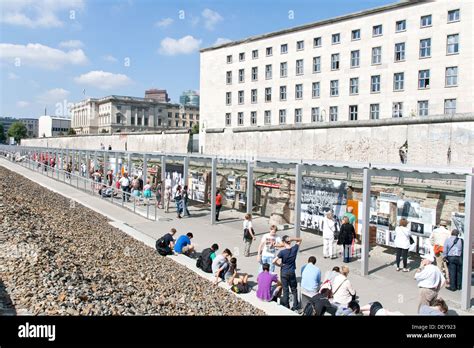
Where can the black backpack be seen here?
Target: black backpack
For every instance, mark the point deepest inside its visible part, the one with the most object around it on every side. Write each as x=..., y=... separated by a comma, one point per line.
x=204, y=261
x=160, y=243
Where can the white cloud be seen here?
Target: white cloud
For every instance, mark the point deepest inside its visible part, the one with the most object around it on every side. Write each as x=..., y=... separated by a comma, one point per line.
x=211, y=18
x=110, y=58
x=53, y=96
x=221, y=41
x=22, y=104
x=71, y=44
x=103, y=80
x=37, y=13
x=12, y=76
x=164, y=22
x=186, y=45
x=40, y=55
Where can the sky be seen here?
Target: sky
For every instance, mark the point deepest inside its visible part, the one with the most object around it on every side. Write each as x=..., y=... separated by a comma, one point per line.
x=56, y=52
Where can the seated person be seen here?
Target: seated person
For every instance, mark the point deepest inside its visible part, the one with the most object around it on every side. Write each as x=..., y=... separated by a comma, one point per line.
x=352, y=308
x=206, y=258
x=376, y=308
x=320, y=303
x=265, y=291
x=439, y=307
x=165, y=244
x=220, y=265
x=231, y=271
x=239, y=284
x=183, y=245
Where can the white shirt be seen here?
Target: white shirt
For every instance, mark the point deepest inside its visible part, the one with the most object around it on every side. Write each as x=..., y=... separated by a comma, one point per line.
x=248, y=224
x=439, y=236
x=402, y=237
x=430, y=277
x=328, y=228
x=342, y=289
x=124, y=181
x=269, y=242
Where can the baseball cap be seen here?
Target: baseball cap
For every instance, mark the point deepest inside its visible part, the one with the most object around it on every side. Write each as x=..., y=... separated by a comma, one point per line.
x=286, y=239
x=428, y=257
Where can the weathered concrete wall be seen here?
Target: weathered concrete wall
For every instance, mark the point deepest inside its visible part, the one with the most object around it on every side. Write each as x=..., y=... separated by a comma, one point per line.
x=176, y=142
x=428, y=143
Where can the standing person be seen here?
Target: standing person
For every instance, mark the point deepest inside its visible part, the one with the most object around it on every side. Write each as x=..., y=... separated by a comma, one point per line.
x=178, y=199
x=267, y=248
x=346, y=236
x=218, y=204
x=402, y=243
x=110, y=147
x=430, y=280
x=158, y=195
x=286, y=259
x=265, y=291
x=342, y=290
x=125, y=185
x=453, y=248
x=167, y=198
x=186, y=200
x=165, y=244
x=350, y=215
x=437, y=239
x=249, y=234
x=310, y=281
x=329, y=233
x=147, y=191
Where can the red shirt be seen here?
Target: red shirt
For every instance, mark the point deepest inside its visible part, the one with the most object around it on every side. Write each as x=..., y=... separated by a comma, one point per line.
x=219, y=199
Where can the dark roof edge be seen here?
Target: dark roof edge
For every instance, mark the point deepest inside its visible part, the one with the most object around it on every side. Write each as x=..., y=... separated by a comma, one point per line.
x=362, y=13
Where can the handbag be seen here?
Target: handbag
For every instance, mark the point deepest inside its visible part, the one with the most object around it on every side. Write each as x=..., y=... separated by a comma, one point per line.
x=412, y=241
x=247, y=234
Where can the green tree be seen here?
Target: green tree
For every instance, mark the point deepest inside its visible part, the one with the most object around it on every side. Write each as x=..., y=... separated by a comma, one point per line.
x=71, y=131
x=18, y=131
x=195, y=129
x=2, y=134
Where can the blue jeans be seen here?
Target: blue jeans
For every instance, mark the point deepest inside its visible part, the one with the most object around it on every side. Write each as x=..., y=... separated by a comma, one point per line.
x=288, y=281
x=267, y=259
x=347, y=252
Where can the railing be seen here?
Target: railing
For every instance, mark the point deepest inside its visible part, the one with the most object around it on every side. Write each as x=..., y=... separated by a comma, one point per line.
x=138, y=204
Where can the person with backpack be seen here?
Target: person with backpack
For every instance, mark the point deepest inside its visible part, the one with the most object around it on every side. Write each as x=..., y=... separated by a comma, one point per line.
x=165, y=244
x=346, y=236
x=452, y=252
x=249, y=234
x=330, y=233
x=286, y=259
x=206, y=258
x=319, y=304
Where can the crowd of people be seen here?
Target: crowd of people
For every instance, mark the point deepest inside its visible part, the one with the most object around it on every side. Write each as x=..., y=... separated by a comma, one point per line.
x=331, y=294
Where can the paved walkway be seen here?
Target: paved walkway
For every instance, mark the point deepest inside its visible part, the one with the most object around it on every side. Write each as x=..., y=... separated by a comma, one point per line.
x=397, y=291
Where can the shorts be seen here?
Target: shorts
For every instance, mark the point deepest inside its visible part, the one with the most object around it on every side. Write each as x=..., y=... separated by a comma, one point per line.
x=136, y=193
x=147, y=194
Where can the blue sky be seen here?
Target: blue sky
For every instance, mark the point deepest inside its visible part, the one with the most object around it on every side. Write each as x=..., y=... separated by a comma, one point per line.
x=53, y=50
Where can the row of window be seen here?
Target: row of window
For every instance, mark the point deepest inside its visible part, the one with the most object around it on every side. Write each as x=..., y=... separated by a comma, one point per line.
x=58, y=129
x=377, y=30
x=353, y=114
x=424, y=77
x=399, y=55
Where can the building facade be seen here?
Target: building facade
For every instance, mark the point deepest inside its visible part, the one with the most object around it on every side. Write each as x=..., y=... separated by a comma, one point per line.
x=409, y=59
x=160, y=95
x=189, y=98
x=113, y=114
x=53, y=126
x=31, y=126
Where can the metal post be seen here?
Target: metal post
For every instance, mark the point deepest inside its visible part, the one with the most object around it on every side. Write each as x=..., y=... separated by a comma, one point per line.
x=163, y=180
x=185, y=170
x=249, y=187
x=213, y=189
x=116, y=170
x=144, y=169
x=129, y=164
x=467, y=246
x=365, y=223
x=73, y=161
x=105, y=167
x=297, y=210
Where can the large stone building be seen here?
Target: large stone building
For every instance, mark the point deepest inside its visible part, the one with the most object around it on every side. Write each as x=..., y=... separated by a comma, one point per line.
x=113, y=114
x=370, y=76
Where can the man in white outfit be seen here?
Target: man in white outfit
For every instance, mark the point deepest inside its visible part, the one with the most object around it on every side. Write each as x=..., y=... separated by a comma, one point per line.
x=329, y=227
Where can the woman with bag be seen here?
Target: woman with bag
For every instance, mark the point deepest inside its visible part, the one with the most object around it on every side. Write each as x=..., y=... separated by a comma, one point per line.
x=178, y=199
x=249, y=234
x=402, y=243
x=346, y=236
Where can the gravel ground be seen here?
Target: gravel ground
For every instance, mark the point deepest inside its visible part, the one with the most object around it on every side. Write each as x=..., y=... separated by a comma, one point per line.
x=60, y=258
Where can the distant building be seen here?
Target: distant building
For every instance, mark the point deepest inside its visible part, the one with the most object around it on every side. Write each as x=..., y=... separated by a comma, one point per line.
x=159, y=95
x=189, y=98
x=52, y=126
x=114, y=114
x=30, y=123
